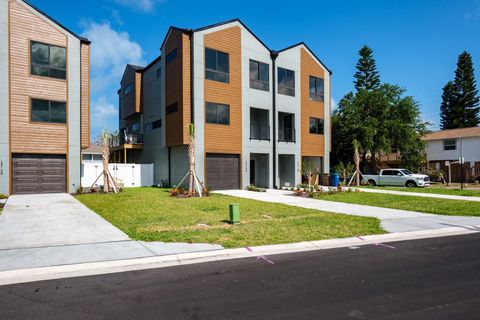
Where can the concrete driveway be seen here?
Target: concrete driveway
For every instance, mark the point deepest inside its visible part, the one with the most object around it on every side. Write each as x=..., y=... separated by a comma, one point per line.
x=47, y=220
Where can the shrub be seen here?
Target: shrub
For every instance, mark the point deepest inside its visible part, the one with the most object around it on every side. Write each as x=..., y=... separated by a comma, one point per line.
x=255, y=189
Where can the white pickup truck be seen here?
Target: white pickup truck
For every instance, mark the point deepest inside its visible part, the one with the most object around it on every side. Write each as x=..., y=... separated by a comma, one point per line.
x=398, y=177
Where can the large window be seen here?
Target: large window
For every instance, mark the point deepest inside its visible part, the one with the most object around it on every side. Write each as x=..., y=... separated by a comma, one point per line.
x=259, y=75
x=49, y=111
x=449, y=145
x=316, y=126
x=217, y=113
x=48, y=61
x=316, y=88
x=153, y=125
x=286, y=82
x=171, y=56
x=217, y=66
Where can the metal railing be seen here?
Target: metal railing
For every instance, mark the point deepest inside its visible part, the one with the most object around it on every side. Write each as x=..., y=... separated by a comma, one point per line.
x=259, y=132
x=121, y=139
x=286, y=135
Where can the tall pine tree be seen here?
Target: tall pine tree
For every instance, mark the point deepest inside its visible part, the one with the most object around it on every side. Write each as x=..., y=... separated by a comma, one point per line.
x=448, y=102
x=460, y=101
x=367, y=76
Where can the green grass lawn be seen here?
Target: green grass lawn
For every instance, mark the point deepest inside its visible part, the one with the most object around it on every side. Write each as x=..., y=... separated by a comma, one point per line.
x=150, y=214
x=411, y=203
x=434, y=189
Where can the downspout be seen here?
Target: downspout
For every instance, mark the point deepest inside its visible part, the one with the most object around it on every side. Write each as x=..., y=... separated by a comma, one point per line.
x=192, y=77
x=274, y=55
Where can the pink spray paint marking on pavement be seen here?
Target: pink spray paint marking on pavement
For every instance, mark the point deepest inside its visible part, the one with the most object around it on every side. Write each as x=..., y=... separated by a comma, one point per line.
x=360, y=238
x=249, y=249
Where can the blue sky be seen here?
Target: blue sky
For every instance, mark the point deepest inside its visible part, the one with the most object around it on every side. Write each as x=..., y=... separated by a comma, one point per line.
x=416, y=43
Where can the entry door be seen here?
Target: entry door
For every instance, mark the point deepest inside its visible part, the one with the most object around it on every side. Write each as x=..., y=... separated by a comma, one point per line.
x=252, y=173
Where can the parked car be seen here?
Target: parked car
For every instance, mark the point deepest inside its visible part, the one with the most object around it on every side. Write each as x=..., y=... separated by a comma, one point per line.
x=398, y=177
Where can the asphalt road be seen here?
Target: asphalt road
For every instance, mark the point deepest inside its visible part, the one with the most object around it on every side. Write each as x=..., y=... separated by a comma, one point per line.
x=425, y=279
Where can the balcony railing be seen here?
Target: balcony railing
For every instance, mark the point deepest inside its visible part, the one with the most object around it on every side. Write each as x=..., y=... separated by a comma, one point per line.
x=259, y=132
x=286, y=135
x=122, y=139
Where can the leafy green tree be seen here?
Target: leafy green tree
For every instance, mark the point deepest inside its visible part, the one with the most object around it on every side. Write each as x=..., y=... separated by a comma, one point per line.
x=367, y=76
x=448, y=102
x=460, y=101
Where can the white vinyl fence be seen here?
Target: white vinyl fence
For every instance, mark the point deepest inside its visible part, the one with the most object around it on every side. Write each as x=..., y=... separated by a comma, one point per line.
x=131, y=175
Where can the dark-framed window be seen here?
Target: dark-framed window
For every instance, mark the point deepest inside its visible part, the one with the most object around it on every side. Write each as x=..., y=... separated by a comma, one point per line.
x=449, y=145
x=217, y=113
x=286, y=82
x=259, y=75
x=171, y=108
x=48, y=60
x=316, y=126
x=159, y=73
x=316, y=88
x=171, y=56
x=153, y=125
x=48, y=111
x=127, y=89
x=217, y=65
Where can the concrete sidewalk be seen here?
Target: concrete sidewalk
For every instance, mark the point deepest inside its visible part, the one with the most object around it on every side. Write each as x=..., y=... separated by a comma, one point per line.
x=420, y=194
x=392, y=220
x=56, y=229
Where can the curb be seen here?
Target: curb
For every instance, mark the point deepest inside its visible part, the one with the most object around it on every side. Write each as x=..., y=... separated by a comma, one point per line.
x=108, y=267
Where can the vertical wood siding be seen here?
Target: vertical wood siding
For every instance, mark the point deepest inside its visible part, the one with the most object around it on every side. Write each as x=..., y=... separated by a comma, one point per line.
x=311, y=144
x=85, y=89
x=28, y=137
x=223, y=138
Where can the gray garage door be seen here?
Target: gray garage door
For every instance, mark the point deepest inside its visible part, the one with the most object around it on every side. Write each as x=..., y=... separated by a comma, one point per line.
x=35, y=173
x=223, y=171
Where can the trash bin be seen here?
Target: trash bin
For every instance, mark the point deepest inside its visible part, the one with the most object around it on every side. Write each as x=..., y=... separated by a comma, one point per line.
x=234, y=213
x=334, y=180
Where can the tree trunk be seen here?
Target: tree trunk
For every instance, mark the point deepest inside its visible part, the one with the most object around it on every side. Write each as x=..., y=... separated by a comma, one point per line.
x=356, y=159
x=191, y=165
x=105, y=158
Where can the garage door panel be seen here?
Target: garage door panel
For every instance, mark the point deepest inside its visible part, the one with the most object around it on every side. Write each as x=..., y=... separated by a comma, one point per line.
x=38, y=173
x=223, y=171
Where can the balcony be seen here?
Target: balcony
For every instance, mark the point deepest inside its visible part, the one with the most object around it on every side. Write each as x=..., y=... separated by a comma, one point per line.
x=120, y=140
x=259, y=132
x=286, y=135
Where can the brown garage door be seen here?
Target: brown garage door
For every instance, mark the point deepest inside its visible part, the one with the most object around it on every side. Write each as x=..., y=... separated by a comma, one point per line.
x=223, y=171
x=35, y=173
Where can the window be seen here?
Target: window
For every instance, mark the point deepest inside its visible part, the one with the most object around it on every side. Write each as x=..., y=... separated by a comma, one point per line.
x=153, y=125
x=217, y=113
x=316, y=88
x=217, y=66
x=388, y=173
x=49, y=111
x=159, y=73
x=171, y=108
x=316, y=126
x=128, y=89
x=449, y=145
x=286, y=82
x=259, y=75
x=48, y=61
x=171, y=56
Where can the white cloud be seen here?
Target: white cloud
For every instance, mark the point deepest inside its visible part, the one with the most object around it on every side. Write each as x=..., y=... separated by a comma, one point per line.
x=111, y=50
x=146, y=6
x=103, y=115
x=334, y=105
x=474, y=13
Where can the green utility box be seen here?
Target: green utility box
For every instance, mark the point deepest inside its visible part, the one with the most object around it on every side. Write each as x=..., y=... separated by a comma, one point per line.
x=234, y=213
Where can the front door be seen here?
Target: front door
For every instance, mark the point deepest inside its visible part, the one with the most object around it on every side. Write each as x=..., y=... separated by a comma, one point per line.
x=252, y=172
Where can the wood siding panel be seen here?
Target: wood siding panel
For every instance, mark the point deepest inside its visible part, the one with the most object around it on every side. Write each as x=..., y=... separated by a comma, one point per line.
x=311, y=144
x=85, y=90
x=174, y=87
x=223, y=138
x=138, y=92
x=186, y=92
x=28, y=137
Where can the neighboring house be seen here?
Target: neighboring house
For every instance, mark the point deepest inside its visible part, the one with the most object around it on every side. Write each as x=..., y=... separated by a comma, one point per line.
x=92, y=154
x=44, y=101
x=257, y=112
x=451, y=145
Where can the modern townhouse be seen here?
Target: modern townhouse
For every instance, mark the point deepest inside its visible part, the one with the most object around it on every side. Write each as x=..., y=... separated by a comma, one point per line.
x=258, y=113
x=44, y=101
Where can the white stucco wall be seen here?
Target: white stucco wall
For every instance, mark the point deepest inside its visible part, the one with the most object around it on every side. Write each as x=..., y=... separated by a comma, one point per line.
x=469, y=148
x=4, y=100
